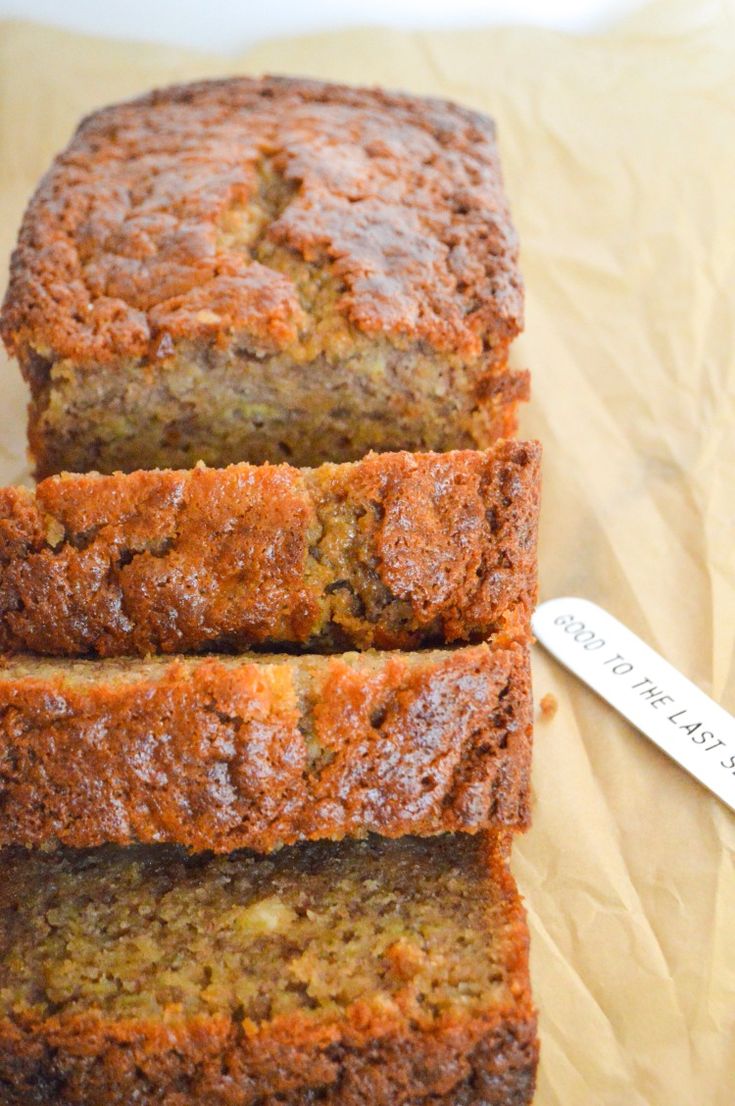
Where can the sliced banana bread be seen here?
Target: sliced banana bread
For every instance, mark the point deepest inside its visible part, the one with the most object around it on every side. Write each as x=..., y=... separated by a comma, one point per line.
x=394, y=551
x=381, y=972
x=255, y=752
x=268, y=269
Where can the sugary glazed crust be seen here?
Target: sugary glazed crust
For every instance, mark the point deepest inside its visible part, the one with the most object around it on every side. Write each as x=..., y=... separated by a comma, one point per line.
x=393, y=551
x=364, y=1056
x=162, y=219
x=218, y=755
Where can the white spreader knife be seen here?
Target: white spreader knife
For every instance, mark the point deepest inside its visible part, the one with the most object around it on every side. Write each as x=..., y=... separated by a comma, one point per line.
x=634, y=679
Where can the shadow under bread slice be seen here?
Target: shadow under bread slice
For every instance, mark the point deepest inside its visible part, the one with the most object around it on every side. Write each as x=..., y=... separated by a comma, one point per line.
x=381, y=972
x=394, y=551
x=259, y=751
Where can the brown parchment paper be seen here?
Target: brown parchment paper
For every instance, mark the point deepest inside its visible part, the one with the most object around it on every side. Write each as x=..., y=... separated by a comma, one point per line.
x=619, y=155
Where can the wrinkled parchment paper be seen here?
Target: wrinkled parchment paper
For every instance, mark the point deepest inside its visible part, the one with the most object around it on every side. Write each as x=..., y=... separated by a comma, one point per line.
x=619, y=155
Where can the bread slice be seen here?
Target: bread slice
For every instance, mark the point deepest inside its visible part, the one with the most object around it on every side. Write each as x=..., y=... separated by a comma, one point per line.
x=267, y=270
x=381, y=972
x=256, y=752
x=394, y=551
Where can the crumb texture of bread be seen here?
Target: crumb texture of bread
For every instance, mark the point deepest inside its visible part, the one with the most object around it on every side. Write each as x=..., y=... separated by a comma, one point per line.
x=395, y=551
x=390, y=972
x=270, y=269
x=548, y=706
x=223, y=753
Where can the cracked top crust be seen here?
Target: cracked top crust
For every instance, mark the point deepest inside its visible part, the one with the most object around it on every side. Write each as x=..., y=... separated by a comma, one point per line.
x=256, y=751
x=280, y=214
x=325, y=558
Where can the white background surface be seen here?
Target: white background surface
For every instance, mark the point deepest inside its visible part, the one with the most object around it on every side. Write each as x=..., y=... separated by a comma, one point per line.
x=232, y=24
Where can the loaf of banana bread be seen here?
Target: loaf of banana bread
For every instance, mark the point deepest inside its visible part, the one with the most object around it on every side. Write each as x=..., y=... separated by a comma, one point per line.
x=266, y=270
x=393, y=551
x=392, y=973
x=255, y=752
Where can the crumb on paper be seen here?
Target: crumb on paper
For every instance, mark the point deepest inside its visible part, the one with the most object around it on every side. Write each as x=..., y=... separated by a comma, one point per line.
x=549, y=705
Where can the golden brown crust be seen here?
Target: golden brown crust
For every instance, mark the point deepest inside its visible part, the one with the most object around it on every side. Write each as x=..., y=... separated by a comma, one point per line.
x=92, y=1065
x=360, y=1054
x=217, y=754
x=393, y=551
x=127, y=246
